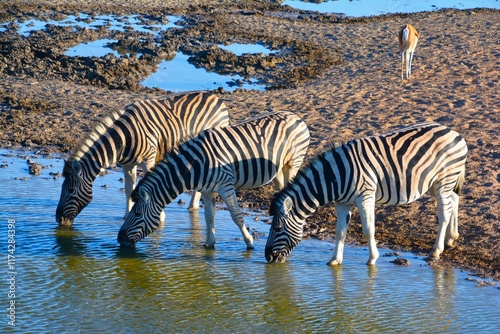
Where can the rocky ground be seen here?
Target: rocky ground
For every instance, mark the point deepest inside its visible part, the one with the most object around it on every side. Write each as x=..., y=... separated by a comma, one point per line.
x=341, y=75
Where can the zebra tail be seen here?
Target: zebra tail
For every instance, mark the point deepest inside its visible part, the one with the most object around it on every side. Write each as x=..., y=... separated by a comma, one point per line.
x=460, y=182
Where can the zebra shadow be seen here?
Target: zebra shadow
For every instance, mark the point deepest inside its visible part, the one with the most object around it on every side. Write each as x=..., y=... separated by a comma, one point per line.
x=69, y=242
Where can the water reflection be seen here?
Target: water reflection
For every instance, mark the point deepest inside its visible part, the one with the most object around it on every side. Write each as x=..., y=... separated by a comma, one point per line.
x=69, y=242
x=282, y=299
x=178, y=74
x=97, y=48
x=443, y=297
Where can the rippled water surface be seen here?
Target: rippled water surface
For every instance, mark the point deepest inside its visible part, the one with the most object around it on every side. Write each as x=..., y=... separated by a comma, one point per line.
x=80, y=280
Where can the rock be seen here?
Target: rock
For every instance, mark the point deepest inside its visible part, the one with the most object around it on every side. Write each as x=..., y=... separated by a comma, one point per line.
x=34, y=168
x=401, y=262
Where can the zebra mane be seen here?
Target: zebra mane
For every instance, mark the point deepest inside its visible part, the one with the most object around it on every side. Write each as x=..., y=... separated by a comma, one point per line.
x=174, y=149
x=101, y=128
x=134, y=196
x=301, y=175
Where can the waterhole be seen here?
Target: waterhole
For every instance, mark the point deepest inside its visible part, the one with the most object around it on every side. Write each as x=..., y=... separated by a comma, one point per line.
x=173, y=74
x=359, y=8
x=82, y=280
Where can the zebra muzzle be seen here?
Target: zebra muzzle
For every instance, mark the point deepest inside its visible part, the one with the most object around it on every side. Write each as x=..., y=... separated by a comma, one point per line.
x=65, y=221
x=275, y=257
x=124, y=240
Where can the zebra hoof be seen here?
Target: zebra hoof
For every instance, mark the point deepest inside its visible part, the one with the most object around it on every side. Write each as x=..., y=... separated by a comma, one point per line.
x=250, y=247
x=432, y=257
x=207, y=246
x=450, y=244
x=334, y=263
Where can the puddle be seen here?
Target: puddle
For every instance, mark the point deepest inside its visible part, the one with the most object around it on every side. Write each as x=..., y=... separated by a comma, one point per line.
x=65, y=280
x=179, y=75
x=118, y=23
x=97, y=48
x=357, y=8
x=175, y=74
x=241, y=49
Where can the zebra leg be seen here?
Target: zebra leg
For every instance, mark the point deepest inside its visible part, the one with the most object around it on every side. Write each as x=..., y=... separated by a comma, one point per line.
x=344, y=213
x=130, y=176
x=228, y=195
x=208, y=199
x=366, y=207
x=445, y=208
x=195, y=201
x=452, y=230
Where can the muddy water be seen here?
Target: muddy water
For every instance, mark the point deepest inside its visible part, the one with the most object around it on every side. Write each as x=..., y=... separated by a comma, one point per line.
x=81, y=280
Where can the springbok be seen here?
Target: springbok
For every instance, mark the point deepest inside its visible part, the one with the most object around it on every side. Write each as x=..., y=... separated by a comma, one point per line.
x=408, y=38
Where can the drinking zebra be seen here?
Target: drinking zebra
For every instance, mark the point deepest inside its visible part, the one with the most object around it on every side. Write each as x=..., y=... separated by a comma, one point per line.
x=138, y=135
x=247, y=155
x=392, y=168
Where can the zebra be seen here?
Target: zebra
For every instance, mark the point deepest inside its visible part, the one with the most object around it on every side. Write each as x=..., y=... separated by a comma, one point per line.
x=138, y=135
x=268, y=148
x=392, y=168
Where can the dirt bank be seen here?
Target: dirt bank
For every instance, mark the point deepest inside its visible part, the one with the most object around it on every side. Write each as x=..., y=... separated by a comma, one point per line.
x=341, y=75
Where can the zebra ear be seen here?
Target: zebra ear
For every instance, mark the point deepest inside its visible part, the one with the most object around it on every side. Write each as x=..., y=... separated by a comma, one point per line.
x=287, y=206
x=77, y=168
x=144, y=195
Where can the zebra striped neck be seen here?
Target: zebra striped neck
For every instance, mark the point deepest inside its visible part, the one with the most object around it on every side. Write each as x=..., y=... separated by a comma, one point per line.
x=170, y=178
x=101, y=128
x=318, y=183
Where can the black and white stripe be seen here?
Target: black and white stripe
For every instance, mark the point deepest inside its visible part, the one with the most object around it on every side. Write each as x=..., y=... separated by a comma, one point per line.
x=392, y=168
x=138, y=135
x=247, y=155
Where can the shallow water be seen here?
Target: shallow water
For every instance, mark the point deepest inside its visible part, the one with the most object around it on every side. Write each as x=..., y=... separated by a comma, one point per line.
x=97, y=48
x=178, y=75
x=240, y=48
x=81, y=280
x=357, y=8
x=119, y=23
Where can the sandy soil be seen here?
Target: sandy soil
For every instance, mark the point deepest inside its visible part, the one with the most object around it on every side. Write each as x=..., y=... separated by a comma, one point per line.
x=341, y=75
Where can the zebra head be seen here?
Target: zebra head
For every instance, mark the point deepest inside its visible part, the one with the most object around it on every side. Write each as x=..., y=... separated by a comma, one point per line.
x=143, y=218
x=76, y=193
x=285, y=232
